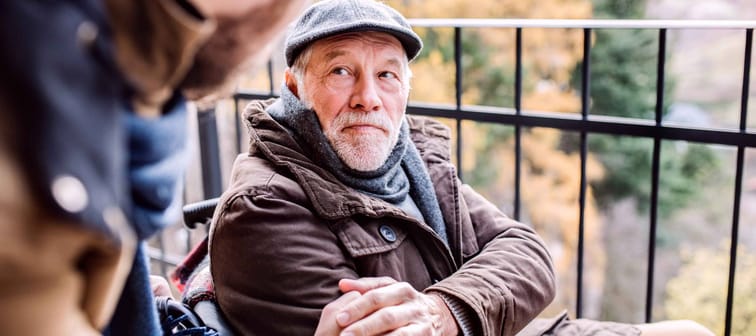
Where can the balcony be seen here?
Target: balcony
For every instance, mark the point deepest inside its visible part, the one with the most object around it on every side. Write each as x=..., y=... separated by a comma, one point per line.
x=603, y=182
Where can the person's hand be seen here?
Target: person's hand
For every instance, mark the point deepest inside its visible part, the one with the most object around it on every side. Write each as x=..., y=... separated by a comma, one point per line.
x=363, y=285
x=327, y=325
x=160, y=286
x=389, y=306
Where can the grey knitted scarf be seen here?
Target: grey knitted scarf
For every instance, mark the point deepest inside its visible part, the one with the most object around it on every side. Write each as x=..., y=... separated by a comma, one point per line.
x=402, y=174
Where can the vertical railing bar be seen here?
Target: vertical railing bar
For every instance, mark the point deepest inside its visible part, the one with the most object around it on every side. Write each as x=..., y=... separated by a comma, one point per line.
x=237, y=123
x=518, y=128
x=746, y=80
x=655, y=174
x=212, y=184
x=188, y=239
x=162, y=261
x=738, y=184
x=270, y=78
x=660, y=76
x=652, y=229
x=458, y=93
x=184, y=227
x=458, y=127
x=734, y=240
x=585, y=107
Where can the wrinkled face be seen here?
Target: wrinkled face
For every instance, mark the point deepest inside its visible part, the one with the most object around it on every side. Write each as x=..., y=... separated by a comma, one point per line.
x=357, y=84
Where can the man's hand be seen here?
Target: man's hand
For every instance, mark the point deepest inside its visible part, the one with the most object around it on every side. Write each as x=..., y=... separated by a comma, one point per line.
x=160, y=286
x=327, y=326
x=387, y=306
x=363, y=285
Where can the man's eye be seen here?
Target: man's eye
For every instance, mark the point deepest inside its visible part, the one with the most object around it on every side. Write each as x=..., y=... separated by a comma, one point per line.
x=340, y=71
x=387, y=74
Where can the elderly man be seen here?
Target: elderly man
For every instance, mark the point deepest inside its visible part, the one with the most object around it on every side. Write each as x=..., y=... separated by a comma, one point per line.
x=92, y=146
x=344, y=202
x=340, y=184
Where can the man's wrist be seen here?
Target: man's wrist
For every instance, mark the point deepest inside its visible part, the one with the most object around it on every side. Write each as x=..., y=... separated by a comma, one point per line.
x=463, y=316
x=445, y=323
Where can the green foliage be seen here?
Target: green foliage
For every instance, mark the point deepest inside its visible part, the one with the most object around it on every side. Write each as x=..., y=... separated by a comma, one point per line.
x=434, y=40
x=623, y=68
x=619, y=9
x=682, y=168
x=495, y=83
x=623, y=84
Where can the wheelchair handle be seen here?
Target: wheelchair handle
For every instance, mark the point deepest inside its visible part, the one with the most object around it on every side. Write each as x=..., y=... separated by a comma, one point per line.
x=199, y=212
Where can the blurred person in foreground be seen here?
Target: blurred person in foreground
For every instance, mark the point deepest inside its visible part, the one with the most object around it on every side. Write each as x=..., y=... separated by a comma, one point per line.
x=93, y=146
x=347, y=217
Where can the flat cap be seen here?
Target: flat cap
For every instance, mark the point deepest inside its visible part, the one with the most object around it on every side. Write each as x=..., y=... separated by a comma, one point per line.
x=333, y=17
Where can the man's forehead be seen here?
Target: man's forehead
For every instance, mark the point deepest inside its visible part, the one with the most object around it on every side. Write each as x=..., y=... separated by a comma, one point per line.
x=396, y=61
x=338, y=45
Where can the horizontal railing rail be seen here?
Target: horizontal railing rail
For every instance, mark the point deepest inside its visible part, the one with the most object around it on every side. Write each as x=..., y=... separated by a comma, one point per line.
x=583, y=24
x=569, y=122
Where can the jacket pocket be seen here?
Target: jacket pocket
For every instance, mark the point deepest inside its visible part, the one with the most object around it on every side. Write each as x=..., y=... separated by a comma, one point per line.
x=372, y=237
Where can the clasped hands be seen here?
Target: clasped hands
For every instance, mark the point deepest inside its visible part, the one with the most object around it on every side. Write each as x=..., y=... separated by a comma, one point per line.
x=383, y=306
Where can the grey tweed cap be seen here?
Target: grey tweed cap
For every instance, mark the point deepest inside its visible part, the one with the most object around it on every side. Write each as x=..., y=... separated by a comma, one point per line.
x=332, y=17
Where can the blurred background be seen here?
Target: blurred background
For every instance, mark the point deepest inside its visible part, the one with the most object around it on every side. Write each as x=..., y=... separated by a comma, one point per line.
x=704, y=77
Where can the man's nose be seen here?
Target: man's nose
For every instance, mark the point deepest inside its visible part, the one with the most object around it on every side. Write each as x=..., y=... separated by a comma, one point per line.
x=365, y=95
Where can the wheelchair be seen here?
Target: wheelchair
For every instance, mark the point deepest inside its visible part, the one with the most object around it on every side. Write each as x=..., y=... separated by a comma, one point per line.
x=197, y=314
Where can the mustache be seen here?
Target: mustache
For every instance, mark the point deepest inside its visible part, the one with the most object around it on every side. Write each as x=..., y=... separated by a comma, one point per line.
x=375, y=119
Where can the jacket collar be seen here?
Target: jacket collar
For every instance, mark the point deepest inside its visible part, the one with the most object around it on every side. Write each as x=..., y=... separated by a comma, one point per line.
x=331, y=198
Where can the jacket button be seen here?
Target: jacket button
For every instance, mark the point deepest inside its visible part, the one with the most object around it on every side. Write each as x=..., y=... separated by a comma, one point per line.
x=70, y=193
x=86, y=34
x=387, y=233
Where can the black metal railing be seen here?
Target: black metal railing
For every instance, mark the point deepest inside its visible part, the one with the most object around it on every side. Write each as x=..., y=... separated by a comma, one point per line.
x=584, y=123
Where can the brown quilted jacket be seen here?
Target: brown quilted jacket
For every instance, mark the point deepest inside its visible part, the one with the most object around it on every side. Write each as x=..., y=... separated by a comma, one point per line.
x=286, y=231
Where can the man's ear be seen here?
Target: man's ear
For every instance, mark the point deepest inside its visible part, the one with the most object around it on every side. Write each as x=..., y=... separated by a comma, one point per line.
x=291, y=82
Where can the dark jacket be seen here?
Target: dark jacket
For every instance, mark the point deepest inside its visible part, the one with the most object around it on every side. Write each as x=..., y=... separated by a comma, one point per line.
x=90, y=115
x=286, y=231
x=71, y=76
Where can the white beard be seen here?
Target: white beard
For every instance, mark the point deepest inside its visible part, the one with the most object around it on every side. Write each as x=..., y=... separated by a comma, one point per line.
x=365, y=151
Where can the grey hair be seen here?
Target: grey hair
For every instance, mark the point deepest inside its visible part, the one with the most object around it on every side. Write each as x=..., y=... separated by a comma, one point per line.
x=300, y=65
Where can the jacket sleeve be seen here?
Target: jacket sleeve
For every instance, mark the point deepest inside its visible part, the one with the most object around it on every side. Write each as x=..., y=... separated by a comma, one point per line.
x=275, y=265
x=511, y=278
